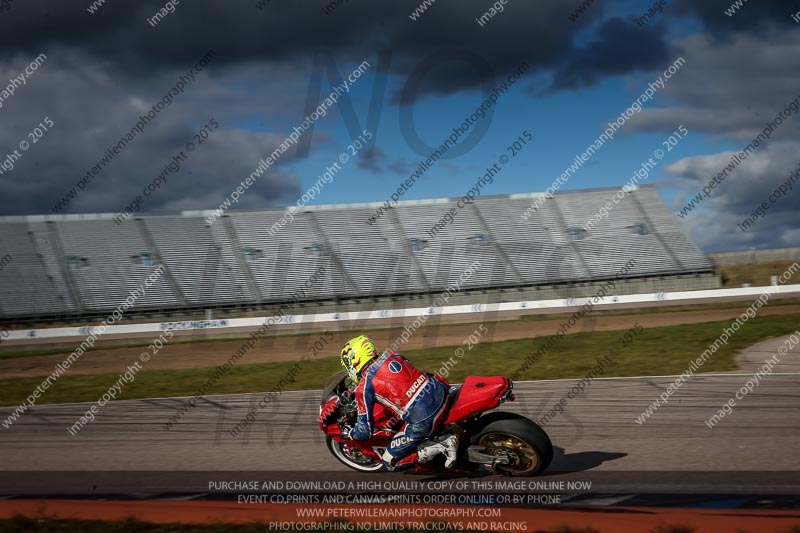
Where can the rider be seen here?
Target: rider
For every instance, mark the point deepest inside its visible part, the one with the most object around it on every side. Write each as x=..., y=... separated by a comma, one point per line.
x=418, y=400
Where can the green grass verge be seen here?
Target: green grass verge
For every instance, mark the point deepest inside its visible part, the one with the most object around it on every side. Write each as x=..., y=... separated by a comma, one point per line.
x=656, y=351
x=67, y=348
x=16, y=351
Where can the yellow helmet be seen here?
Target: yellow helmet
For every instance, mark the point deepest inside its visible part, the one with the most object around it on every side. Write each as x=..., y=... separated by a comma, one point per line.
x=356, y=354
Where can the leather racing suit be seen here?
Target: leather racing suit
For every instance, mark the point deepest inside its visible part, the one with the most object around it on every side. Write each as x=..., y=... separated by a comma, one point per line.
x=417, y=399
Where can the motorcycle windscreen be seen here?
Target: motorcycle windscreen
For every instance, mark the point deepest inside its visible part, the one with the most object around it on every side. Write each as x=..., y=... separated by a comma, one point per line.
x=331, y=384
x=477, y=394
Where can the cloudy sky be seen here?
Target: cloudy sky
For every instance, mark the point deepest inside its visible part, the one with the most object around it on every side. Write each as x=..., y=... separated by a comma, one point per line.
x=272, y=60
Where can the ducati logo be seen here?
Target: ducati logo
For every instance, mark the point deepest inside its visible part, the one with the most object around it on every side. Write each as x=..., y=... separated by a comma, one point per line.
x=400, y=441
x=420, y=380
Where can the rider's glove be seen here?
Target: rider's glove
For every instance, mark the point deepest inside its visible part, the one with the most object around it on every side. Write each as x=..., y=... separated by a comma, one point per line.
x=346, y=431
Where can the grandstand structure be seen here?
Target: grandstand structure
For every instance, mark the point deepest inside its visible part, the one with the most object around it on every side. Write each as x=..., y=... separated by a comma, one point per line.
x=69, y=266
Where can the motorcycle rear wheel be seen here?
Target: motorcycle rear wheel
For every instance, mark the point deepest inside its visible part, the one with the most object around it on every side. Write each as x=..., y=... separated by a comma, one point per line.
x=521, y=441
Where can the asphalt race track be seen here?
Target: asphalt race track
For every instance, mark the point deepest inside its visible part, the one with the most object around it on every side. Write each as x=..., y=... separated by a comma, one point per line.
x=127, y=450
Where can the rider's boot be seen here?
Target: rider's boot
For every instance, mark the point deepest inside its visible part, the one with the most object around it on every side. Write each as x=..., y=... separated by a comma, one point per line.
x=430, y=449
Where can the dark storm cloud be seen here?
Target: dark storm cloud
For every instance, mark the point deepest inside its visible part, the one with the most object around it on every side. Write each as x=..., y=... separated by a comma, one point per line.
x=729, y=89
x=715, y=227
x=754, y=16
x=538, y=33
x=106, y=69
x=91, y=110
x=620, y=47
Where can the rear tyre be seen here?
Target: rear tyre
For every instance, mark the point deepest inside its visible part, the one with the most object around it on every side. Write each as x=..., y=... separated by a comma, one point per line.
x=352, y=457
x=520, y=440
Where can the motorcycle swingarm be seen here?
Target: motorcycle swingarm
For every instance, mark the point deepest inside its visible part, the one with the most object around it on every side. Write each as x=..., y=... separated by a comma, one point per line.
x=475, y=455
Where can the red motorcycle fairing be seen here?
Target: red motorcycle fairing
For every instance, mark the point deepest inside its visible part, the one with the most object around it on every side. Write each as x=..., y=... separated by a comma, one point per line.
x=385, y=420
x=477, y=394
x=372, y=447
x=382, y=436
x=465, y=416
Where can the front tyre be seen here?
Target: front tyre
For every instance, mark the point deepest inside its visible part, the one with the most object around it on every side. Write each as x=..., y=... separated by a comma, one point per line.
x=352, y=457
x=521, y=441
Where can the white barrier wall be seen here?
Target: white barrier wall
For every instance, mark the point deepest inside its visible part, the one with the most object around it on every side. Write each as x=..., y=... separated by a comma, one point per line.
x=609, y=301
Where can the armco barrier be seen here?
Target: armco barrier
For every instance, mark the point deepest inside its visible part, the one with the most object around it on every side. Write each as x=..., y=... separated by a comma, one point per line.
x=555, y=305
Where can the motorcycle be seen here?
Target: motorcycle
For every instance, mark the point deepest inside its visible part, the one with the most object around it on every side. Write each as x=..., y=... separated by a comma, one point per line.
x=499, y=442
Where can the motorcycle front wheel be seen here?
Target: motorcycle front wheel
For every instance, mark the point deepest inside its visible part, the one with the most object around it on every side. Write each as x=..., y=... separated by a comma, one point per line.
x=352, y=457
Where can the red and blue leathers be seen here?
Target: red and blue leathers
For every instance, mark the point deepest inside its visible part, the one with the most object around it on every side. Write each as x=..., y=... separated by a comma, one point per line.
x=416, y=398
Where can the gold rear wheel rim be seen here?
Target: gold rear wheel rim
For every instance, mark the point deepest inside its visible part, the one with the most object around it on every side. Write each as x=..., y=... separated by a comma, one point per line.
x=524, y=458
